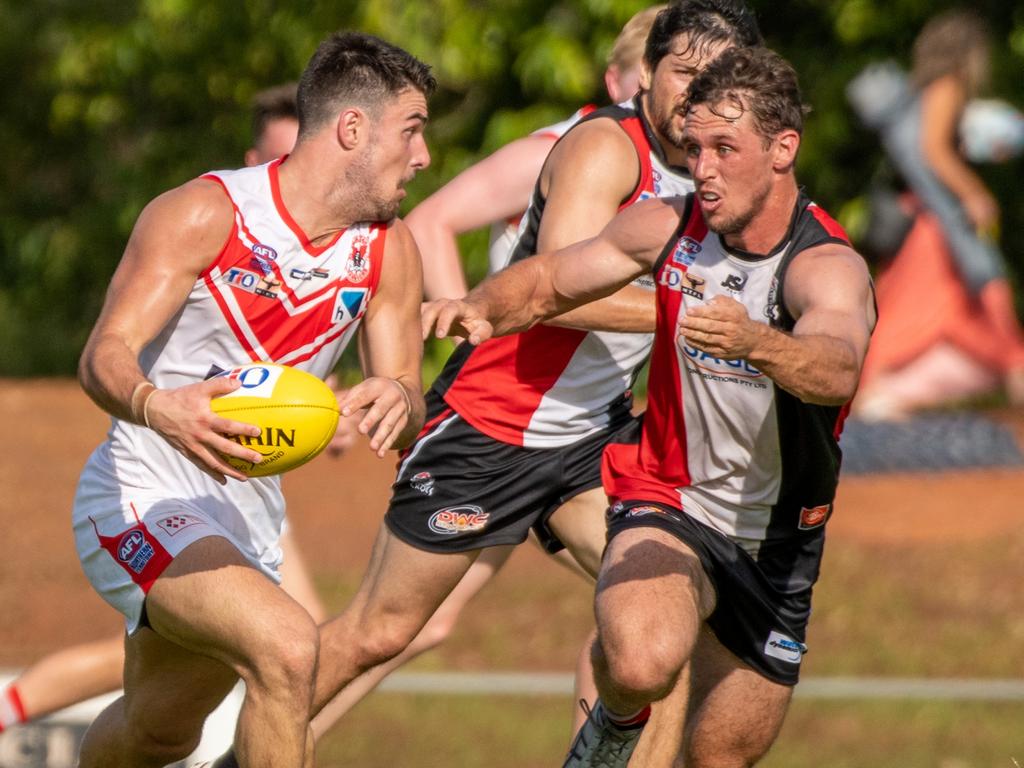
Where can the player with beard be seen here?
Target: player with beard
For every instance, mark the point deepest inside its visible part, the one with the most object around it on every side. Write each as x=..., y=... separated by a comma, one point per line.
x=719, y=501
x=282, y=262
x=516, y=427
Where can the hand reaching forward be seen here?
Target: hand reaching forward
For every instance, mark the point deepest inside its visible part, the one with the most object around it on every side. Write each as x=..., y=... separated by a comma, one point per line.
x=347, y=433
x=455, y=317
x=182, y=416
x=387, y=407
x=721, y=328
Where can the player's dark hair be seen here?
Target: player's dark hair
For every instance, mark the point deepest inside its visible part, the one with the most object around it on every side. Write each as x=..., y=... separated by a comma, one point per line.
x=277, y=103
x=705, y=23
x=356, y=69
x=754, y=79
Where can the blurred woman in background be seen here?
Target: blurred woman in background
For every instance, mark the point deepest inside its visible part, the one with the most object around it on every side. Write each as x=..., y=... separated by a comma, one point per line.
x=947, y=326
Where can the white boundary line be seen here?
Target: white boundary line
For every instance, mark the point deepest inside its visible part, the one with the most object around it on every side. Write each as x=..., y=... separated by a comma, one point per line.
x=561, y=684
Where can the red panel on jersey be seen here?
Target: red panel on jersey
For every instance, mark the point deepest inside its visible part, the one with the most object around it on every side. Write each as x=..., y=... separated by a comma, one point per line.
x=503, y=382
x=830, y=225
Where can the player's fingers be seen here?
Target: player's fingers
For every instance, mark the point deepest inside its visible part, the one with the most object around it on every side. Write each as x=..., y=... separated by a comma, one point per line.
x=218, y=470
x=223, y=426
x=388, y=429
x=219, y=385
x=223, y=445
x=362, y=395
x=428, y=317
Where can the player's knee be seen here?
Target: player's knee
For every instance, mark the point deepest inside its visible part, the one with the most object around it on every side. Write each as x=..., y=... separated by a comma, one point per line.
x=647, y=673
x=387, y=639
x=287, y=659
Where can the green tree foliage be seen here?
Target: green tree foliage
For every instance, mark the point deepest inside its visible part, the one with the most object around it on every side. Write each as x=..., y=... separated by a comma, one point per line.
x=107, y=103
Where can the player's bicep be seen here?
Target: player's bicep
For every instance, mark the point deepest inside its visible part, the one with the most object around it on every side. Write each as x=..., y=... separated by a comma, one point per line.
x=829, y=293
x=390, y=338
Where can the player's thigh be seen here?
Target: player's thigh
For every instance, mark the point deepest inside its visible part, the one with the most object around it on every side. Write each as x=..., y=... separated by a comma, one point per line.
x=580, y=525
x=652, y=595
x=735, y=713
x=168, y=690
x=210, y=600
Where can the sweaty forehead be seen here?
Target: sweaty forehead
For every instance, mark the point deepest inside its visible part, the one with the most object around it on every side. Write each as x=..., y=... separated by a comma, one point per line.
x=725, y=117
x=695, y=54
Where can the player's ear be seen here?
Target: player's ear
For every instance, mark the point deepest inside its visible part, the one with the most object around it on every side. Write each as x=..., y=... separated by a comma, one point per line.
x=646, y=75
x=785, y=147
x=352, y=127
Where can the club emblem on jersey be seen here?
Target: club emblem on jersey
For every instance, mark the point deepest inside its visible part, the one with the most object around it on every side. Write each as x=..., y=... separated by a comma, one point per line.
x=423, y=482
x=358, y=265
x=349, y=304
x=454, y=520
x=686, y=251
x=814, y=517
x=771, y=307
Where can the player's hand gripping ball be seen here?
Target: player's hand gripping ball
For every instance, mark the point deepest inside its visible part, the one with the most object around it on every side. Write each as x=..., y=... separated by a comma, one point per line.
x=297, y=412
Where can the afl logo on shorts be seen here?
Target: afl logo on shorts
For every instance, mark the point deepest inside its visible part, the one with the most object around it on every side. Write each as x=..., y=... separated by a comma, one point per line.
x=454, y=520
x=134, y=551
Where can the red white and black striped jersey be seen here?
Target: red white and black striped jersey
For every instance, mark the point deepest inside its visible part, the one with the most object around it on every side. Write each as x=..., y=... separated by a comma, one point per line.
x=720, y=439
x=551, y=386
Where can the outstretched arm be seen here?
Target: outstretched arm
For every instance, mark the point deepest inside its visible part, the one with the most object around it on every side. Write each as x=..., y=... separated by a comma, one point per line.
x=391, y=350
x=828, y=291
x=175, y=238
x=551, y=283
x=496, y=188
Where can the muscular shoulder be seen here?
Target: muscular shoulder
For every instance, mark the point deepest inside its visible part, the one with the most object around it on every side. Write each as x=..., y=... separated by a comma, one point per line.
x=400, y=246
x=193, y=220
x=829, y=274
x=597, y=153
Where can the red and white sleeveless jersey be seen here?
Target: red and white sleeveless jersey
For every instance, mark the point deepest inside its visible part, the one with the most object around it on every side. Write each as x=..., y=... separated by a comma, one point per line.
x=550, y=386
x=719, y=438
x=269, y=295
x=504, y=234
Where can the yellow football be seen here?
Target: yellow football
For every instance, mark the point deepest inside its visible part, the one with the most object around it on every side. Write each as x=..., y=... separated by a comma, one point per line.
x=297, y=412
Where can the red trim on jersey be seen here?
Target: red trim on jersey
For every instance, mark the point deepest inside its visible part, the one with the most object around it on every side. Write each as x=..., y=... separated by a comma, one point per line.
x=654, y=468
x=286, y=217
x=830, y=225
x=232, y=235
x=841, y=421
x=634, y=128
x=501, y=385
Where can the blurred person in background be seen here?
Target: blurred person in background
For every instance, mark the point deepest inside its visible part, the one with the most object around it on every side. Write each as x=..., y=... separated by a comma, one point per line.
x=496, y=190
x=948, y=329
x=91, y=669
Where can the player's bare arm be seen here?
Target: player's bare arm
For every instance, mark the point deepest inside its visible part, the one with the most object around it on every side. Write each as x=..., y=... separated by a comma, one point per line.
x=828, y=292
x=588, y=175
x=553, y=283
x=177, y=236
x=493, y=189
x=391, y=350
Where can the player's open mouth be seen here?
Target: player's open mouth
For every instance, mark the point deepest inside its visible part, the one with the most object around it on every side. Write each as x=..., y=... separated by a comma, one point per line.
x=710, y=201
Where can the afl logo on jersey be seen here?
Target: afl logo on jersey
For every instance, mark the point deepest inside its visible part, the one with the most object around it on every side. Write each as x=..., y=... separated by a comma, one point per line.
x=686, y=251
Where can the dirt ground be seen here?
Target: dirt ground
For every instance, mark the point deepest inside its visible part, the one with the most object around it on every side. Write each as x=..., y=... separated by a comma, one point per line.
x=336, y=506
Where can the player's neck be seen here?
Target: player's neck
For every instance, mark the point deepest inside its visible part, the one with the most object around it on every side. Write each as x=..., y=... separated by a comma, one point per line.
x=769, y=225
x=309, y=192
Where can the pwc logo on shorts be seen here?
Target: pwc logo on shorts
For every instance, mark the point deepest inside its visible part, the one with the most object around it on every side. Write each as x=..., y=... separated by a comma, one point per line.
x=455, y=520
x=134, y=551
x=780, y=646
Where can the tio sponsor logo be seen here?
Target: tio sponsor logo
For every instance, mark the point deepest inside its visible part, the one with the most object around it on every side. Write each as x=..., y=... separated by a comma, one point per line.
x=780, y=646
x=455, y=520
